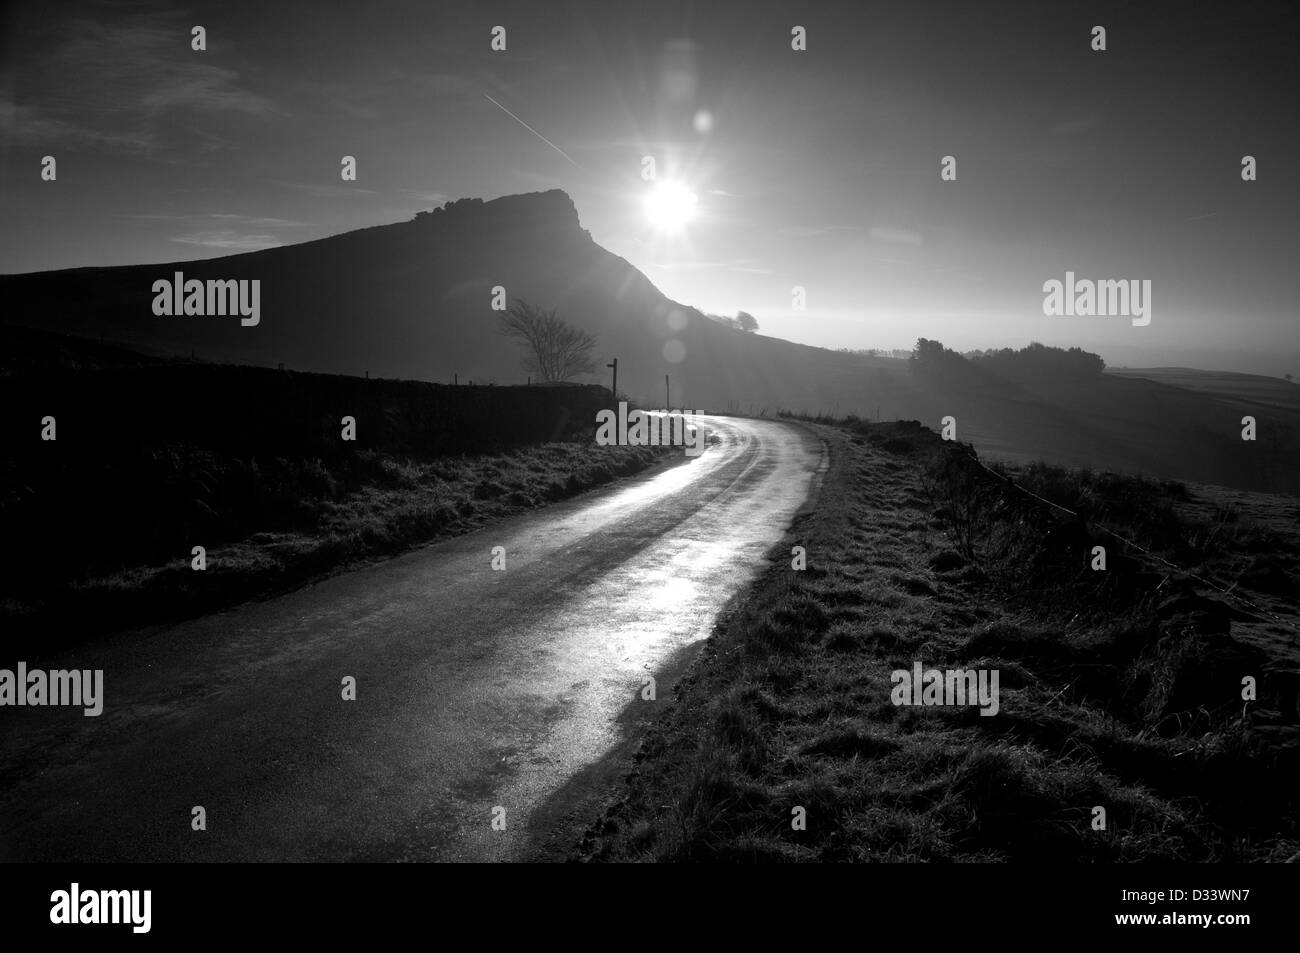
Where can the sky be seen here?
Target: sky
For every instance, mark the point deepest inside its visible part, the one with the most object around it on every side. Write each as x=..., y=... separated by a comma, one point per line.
x=815, y=168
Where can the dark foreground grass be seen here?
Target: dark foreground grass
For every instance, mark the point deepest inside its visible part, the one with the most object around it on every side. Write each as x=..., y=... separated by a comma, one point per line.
x=301, y=519
x=156, y=455
x=1119, y=689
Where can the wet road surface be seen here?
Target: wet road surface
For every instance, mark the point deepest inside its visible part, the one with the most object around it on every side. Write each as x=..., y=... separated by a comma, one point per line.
x=476, y=689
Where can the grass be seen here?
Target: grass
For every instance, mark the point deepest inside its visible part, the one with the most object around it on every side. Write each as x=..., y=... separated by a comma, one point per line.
x=250, y=464
x=1120, y=689
x=274, y=523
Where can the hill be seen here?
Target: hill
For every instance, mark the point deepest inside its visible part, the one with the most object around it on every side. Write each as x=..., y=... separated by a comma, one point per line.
x=412, y=300
x=1253, y=388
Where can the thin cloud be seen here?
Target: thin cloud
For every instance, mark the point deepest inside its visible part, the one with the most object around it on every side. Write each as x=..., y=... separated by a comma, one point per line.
x=320, y=191
x=228, y=240
x=813, y=231
x=247, y=221
x=28, y=126
x=741, y=265
x=432, y=198
x=122, y=81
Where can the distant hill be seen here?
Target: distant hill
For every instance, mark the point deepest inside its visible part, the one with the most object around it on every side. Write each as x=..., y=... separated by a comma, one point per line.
x=1126, y=423
x=412, y=300
x=1254, y=388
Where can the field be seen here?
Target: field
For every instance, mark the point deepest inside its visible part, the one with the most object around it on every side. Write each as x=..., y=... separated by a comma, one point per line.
x=1121, y=690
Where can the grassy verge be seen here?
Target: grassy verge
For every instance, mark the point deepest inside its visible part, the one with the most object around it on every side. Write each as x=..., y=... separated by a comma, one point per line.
x=314, y=518
x=1120, y=689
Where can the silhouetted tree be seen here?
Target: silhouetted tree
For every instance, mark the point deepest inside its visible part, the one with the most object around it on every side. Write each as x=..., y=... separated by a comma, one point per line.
x=932, y=360
x=556, y=351
x=746, y=321
x=931, y=356
x=1040, y=362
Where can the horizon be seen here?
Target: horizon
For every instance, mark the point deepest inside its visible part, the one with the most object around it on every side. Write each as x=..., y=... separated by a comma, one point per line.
x=817, y=168
x=1110, y=364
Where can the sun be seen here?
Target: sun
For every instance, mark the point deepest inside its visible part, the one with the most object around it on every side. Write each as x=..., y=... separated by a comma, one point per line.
x=669, y=206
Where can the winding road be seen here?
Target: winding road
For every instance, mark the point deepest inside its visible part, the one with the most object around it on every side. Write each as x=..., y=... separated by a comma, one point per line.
x=476, y=689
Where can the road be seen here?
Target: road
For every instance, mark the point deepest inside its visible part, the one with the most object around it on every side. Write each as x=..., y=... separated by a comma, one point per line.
x=476, y=689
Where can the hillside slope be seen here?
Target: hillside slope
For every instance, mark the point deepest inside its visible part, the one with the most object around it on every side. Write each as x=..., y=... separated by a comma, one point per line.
x=412, y=300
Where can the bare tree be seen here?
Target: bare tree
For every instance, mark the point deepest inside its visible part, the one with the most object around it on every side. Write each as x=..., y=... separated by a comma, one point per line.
x=556, y=351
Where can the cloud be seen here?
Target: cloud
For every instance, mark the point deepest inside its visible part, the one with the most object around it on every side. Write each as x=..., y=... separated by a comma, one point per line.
x=431, y=198
x=320, y=191
x=252, y=221
x=373, y=95
x=121, y=81
x=814, y=231
x=145, y=62
x=260, y=221
x=211, y=89
x=28, y=126
x=228, y=239
x=226, y=231
x=739, y=264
